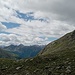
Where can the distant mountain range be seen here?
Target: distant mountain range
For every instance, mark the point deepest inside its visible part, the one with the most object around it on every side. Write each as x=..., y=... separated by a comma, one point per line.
x=24, y=51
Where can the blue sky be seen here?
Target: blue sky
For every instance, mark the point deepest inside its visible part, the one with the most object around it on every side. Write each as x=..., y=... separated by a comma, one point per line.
x=10, y=24
x=35, y=22
x=29, y=16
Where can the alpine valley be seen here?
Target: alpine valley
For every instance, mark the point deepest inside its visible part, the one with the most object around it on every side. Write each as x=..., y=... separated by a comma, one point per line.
x=22, y=51
x=57, y=58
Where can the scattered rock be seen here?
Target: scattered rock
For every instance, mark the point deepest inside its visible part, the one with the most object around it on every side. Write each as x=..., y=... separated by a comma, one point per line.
x=31, y=59
x=18, y=68
x=66, y=62
x=68, y=71
x=27, y=74
x=26, y=60
x=69, y=63
x=36, y=70
x=69, y=67
x=58, y=67
x=67, y=58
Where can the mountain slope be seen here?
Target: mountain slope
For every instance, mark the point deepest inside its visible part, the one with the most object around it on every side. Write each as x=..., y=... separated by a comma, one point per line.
x=64, y=43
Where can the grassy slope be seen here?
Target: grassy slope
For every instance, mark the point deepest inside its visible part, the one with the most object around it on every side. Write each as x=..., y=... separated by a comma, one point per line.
x=7, y=54
x=58, y=58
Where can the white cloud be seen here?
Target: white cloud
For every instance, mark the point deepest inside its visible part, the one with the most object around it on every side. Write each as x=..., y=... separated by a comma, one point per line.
x=32, y=32
x=52, y=8
x=7, y=39
x=60, y=12
x=2, y=27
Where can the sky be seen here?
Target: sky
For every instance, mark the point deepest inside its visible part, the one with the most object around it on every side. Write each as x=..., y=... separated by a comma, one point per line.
x=35, y=22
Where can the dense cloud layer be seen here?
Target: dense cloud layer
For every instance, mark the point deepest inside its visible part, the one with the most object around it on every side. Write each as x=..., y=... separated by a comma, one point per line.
x=56, y=18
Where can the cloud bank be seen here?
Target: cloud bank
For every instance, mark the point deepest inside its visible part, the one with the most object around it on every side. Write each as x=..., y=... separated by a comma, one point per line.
x=40, y=21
